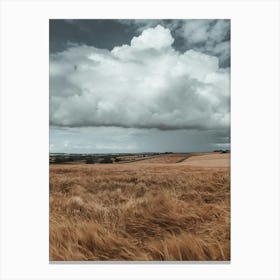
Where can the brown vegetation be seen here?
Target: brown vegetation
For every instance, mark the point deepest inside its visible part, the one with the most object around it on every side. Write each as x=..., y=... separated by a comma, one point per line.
x=139, y=212
x=174, y=158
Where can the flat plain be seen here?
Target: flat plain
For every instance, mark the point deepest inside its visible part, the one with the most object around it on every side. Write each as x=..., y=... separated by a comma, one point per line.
x=166, y=208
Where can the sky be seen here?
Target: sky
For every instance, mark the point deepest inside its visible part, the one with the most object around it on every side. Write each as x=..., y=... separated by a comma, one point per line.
x=128, y=86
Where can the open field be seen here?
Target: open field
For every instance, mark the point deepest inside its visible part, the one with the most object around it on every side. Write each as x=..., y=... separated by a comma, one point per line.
x=208, y=160
x=170, y=207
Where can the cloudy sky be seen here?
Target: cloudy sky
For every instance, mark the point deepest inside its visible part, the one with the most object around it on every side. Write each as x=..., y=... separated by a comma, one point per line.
x=139, y=85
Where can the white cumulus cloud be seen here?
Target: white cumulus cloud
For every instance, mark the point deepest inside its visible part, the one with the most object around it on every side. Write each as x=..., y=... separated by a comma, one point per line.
x=147, y=84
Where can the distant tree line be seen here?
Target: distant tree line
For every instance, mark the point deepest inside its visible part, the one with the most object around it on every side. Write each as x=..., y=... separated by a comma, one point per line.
x=96, y=158
x=222, y=151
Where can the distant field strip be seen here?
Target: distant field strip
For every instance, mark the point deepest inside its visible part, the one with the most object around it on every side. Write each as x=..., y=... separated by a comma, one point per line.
x=184, y=158
x=209, y=160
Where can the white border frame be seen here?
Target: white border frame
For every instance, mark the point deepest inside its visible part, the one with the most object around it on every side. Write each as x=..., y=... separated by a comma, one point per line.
x=254, y=138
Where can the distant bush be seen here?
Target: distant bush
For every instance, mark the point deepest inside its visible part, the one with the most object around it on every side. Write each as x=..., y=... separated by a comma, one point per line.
x=106, y=159
x=59, y=160
x=90, y=160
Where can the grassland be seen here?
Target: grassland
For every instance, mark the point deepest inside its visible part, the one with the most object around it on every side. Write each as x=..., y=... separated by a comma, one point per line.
x=165, y=208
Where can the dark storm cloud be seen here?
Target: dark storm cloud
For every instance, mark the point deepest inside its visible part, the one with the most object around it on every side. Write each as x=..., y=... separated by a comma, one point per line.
x=104, y=34
x=117, y=139
x=119, y=124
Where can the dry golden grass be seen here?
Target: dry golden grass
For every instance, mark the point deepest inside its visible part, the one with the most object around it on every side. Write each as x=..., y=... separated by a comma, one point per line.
x=139, y=212
x=208, y=160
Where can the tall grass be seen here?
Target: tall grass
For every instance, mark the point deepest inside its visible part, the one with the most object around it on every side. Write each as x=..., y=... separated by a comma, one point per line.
x=139, y=212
